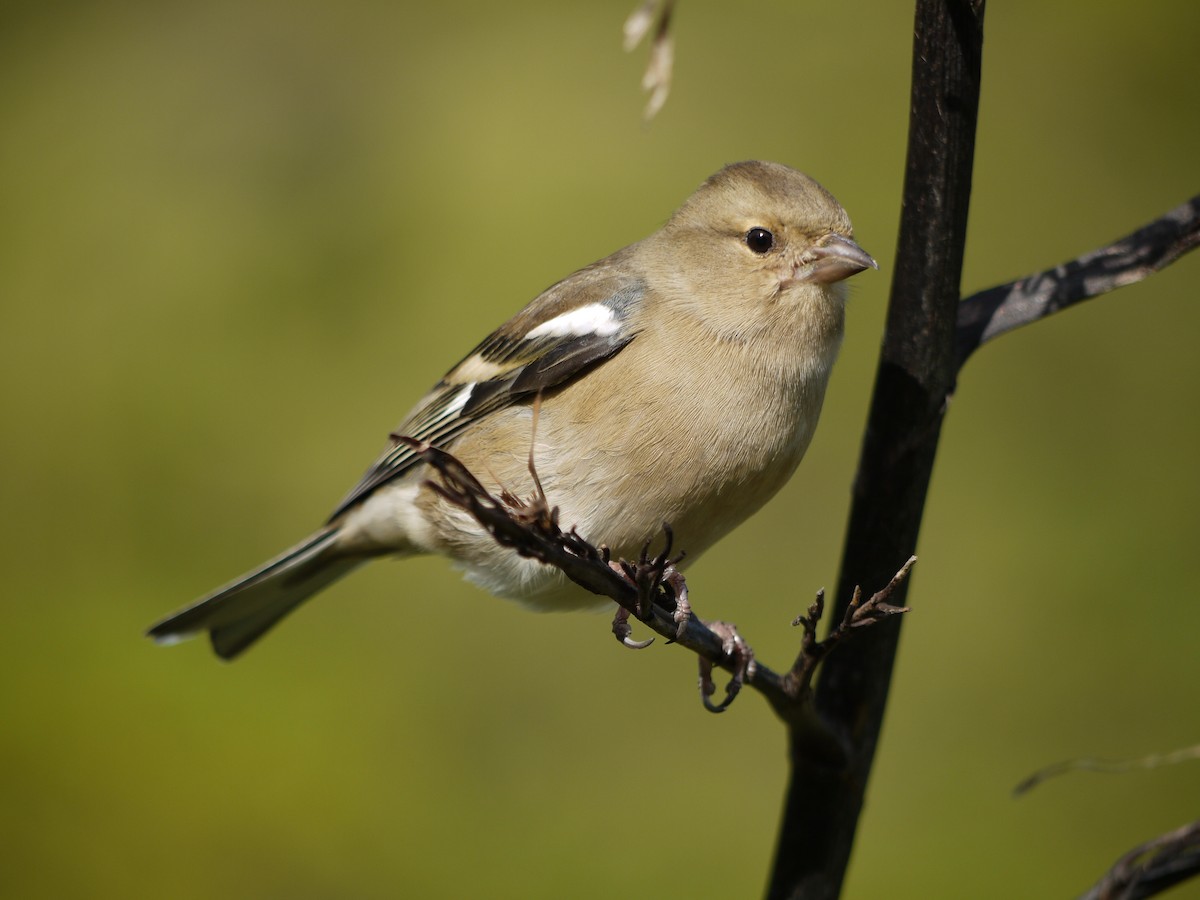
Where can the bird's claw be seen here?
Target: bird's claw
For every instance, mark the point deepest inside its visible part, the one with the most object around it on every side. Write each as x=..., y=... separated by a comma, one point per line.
x=623, y=631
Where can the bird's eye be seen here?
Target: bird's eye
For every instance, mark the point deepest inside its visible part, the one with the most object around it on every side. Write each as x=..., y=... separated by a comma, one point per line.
x=760, y=240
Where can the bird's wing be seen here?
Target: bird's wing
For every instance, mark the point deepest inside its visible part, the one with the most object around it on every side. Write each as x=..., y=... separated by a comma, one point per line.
x=573, y=326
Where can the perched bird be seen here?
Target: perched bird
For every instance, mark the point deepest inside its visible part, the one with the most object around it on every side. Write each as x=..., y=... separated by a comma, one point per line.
x=677, y=380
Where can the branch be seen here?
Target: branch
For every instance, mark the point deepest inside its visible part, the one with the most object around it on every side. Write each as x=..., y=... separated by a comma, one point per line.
x=1152, y=867
x=929, y=334
x=856, y=615
x=991, y=313
x=1111, y=766
x=531, y=529
x=915, y=377
x=653, y=591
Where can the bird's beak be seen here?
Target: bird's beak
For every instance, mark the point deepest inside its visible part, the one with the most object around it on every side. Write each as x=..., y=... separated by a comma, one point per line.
x=833, y=258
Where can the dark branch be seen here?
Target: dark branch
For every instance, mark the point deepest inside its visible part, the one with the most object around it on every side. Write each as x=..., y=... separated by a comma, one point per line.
x=993, y=312
x=650, y=590
x=531, y=529
x=1152, y=867
x=915, y=377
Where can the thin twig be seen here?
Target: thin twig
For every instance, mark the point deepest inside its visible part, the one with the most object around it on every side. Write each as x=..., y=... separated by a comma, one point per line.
x=531, y=529
x=991, y=313
x=1152, y=867
x=857, y=614
x=1110, y=766
x=650, y=589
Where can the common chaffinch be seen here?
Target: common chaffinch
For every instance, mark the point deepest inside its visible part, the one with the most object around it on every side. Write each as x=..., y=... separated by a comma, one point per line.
x=677, y=380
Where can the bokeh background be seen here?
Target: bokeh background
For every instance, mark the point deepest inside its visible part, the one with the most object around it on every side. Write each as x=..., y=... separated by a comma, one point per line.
x=240, y=239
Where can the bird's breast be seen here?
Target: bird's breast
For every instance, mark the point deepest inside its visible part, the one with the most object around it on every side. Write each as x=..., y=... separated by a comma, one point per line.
x=701, y=449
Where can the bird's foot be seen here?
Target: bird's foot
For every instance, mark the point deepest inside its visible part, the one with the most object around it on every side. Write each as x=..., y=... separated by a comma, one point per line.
x=741, y=658
x=656, y=579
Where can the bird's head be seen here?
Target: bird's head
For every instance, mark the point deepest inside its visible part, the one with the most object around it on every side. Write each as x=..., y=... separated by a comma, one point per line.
x=760, y=246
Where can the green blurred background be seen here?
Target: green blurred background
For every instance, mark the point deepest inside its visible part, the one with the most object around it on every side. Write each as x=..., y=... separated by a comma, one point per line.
x=240, y=239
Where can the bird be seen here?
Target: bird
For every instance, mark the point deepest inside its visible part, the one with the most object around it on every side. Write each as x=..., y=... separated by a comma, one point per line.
x=677, y=380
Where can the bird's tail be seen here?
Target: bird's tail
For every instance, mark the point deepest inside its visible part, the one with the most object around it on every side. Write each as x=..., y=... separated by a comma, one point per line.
x=241, y=612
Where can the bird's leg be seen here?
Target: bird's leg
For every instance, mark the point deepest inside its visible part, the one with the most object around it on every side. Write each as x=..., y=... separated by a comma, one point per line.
x=534, y=510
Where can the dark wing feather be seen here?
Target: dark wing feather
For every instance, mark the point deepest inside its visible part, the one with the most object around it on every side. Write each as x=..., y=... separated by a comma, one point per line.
x=516, y=366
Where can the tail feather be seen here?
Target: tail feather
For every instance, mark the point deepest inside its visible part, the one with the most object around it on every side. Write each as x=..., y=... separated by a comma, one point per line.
x=242, y=611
